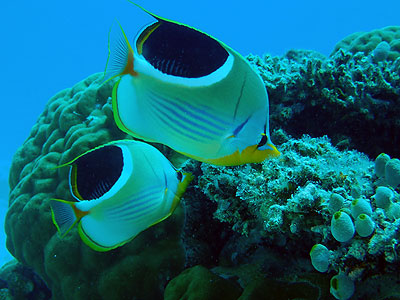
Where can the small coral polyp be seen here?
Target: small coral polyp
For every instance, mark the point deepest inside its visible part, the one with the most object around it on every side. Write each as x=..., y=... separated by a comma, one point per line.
x=360, y=206
x=392, y=172
x=365, y=226
x=383, y=197
x=370, y=209
x=342, y=287
x=320, y=257
x=342, y=227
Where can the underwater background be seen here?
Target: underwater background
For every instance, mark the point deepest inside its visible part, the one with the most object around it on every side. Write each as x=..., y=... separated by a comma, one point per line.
x=48, y=46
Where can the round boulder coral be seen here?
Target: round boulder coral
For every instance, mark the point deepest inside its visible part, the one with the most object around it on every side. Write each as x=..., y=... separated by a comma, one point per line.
x=74, y=121
x=372, y=43
x=198, y=283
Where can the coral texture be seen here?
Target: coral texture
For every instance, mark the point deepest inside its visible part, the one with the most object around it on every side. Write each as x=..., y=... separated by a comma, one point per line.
x=74, y=121
x=367, y=42
x=253, y=224
x=200, y=283
x=276, y=211
x=347, y=96
x=19, y=282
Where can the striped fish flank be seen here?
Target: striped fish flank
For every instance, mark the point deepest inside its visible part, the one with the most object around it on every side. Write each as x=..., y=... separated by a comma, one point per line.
x=185, y=89
x=133, y=187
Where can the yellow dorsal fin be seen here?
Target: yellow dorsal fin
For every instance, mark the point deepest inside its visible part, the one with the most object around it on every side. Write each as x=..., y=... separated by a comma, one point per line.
x=149, y=12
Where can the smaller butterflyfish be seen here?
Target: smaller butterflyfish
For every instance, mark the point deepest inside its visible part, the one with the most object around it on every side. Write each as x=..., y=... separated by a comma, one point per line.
x=121, y=188
x=184, y=88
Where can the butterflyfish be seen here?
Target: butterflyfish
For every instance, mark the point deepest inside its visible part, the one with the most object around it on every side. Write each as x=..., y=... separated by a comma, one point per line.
x=121, y=188
x=184, y=88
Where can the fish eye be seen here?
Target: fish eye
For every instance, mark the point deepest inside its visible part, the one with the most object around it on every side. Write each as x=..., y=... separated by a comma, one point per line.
x=179, y=175
x=263, y=141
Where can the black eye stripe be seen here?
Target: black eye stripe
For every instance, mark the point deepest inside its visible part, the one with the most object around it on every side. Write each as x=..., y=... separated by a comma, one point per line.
x=263, y=141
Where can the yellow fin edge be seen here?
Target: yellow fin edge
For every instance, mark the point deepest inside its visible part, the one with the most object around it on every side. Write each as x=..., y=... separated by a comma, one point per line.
x=96, y=247
x=62, y=232
x=188, y=177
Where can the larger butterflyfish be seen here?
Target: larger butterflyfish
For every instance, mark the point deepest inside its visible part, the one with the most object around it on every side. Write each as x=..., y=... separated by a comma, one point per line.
x=183, y=88
x=120, y=188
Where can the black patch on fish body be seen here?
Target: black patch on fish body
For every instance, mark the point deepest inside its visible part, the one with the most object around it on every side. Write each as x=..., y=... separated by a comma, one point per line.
x=263, y=141
x=181, y=51
x=98, y=171
x=264, y=138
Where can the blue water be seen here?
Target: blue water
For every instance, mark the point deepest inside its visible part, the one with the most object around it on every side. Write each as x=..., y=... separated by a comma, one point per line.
x=47, y=46
x=4, y=167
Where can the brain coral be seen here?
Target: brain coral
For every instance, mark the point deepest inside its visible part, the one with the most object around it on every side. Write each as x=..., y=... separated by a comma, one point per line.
x=367, y=41
x=74, y=121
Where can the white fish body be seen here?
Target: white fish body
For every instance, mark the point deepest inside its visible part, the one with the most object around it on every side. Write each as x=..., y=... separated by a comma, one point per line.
x=146, y=191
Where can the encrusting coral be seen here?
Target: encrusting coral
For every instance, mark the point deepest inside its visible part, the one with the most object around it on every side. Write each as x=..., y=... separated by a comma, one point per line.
x=20, y=282
x=349, y=97
x=200, y=283
x=283, y=205
x=277, y=195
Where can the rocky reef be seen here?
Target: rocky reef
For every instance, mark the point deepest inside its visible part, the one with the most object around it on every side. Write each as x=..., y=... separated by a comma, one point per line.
x=20, y=282
x=74, y=121
x=320, y=220
x=275, y=212
x=348, y=96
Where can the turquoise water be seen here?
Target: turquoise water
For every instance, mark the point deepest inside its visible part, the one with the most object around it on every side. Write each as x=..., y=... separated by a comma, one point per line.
x=4, y=167
x=48, y=46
